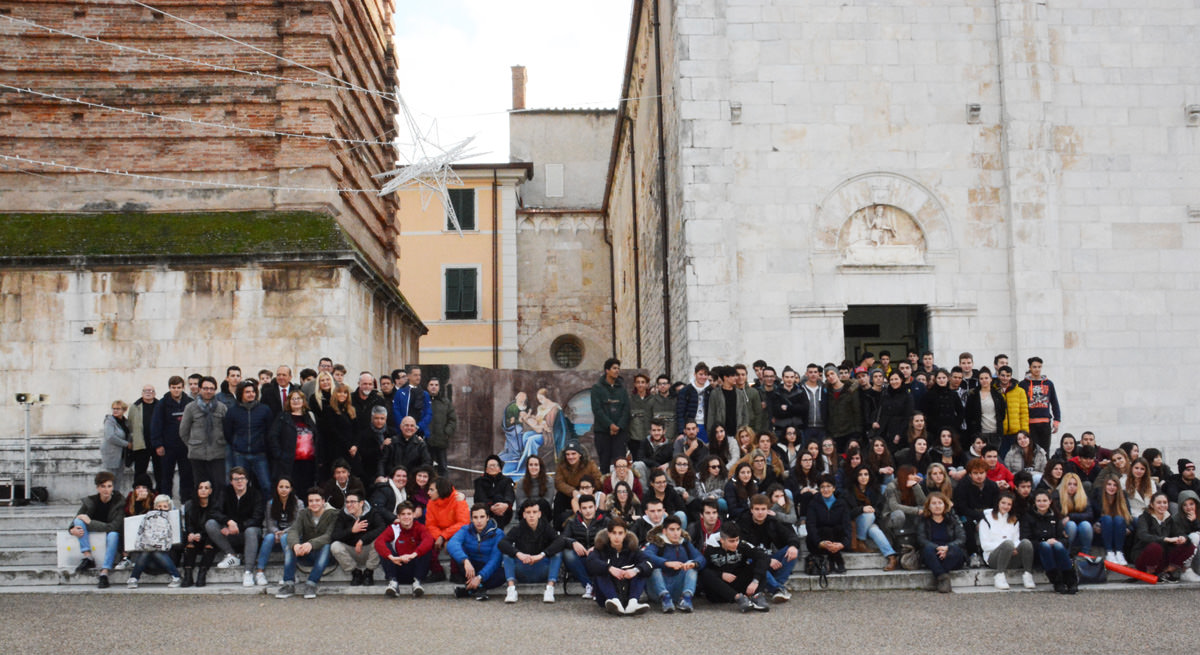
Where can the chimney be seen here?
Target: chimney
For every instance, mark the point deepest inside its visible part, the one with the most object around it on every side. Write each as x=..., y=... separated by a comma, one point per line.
x=518, y=87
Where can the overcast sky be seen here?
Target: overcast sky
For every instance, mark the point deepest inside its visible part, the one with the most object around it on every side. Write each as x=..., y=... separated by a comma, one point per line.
x=455, y=59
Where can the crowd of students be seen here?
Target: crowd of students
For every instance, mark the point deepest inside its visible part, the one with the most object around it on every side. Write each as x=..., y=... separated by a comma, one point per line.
x=757, y=479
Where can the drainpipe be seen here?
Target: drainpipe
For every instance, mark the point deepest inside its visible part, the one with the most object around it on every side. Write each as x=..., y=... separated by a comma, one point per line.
x=612, y=286
x=637, y=262
x=662, y=195
x=495, y=271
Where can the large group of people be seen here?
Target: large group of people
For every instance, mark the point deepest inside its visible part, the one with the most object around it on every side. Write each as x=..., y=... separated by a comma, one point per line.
x=716, y=487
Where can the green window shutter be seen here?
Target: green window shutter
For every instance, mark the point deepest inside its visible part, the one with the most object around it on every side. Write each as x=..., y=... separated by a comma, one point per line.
x=463, y=202
x=461, y=301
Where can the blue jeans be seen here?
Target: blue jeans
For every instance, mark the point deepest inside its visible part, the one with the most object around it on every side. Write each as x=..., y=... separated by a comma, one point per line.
x=1053, y=558
x=161, y=558
x=575, y=565
x=264, y=549
x=864, y=528
x=317, y=559
x=545, y=570
x=1112, y=532
x=1080, y=535
x=112, y=544
x=776, y=579
x=676, y=583
x=257, y=464
x=954, y=559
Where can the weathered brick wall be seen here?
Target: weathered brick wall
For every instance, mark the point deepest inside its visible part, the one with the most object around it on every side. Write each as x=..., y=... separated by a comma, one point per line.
x=350, y=40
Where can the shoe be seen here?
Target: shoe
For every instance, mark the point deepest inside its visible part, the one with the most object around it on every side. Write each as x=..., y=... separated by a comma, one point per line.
x=102, y=582
x=417, y=589
x=260, y=579
x=781, y=595
x=759, y=601
x=636, y=608
x=744, y=604
x=188, y=580
x=393, y=589
x=86, y=564
x=1071, y=579
x=228, y=562
x=858, y=546
x=131, y=583
x=202, y=576
x=356, y=578
x=461, y=592
x=1189, y=576
x=1172, y=577
x=368, y=577
x=976, y=561
x=247, y=579
x=1121, y=558
x=174, y=583
x=482, y=596
x=436, y=576
x=310, y=590
x=1001, y=582
x=943, y=584
x=1056, y=579
x=125, y=563
x=893, y=561
x=548, y=595
x=1110, y=556
x=685, y=604
x=1027, y=580
x=612, y=606
x=668, y=606
x=837, y=563
x=286, y=590
x=511, y=595
x=588, y=593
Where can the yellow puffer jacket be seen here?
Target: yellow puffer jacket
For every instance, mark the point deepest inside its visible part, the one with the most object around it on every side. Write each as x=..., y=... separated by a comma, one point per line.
x=1017, y=416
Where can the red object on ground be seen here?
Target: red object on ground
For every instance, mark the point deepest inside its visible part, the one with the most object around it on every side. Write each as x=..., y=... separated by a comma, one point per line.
x=1131, y=572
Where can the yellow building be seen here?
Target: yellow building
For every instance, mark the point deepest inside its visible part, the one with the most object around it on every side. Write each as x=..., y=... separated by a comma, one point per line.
x=464, y=285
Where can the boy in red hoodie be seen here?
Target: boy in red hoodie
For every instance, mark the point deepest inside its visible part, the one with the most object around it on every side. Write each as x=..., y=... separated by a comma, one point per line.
x=404, y=552
x=997, y=471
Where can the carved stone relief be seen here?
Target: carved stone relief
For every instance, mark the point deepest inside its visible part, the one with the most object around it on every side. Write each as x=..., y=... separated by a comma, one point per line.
x=881, y=235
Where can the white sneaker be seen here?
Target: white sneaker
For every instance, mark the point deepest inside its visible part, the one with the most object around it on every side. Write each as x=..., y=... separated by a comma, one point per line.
x=511, y=595
x=1121, y=558
x=125, y=563
x=417, y=589
x=1001, y=582
x=230, y=560
x=175, y=582
x=634, y=608
x=614, y=607
x=548, y=595
x=393, y=589
x=248, y=579
x=1027, y=580
x=1189, y=576
x=587, y=593
x=131, y=583
x=260, y=578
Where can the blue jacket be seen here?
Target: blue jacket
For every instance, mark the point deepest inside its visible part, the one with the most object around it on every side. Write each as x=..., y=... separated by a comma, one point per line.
x=164, y=428
x=247, y=427
x=659, y=551
x=467, y=544
x=401, y=406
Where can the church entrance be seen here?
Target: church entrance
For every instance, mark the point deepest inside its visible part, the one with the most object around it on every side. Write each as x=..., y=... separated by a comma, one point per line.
x=876, y=328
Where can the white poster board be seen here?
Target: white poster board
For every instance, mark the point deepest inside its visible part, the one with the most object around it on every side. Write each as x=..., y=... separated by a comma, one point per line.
x=69, y=553
x=132, y=523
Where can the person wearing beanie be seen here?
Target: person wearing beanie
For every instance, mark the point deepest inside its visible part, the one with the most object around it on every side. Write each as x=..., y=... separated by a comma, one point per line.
x=1184, y=480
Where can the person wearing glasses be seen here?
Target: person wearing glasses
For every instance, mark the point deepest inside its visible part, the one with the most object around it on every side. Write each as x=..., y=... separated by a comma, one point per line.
x=353, y=542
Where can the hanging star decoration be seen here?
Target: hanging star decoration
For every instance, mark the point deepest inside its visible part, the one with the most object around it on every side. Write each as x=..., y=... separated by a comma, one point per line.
x=429, y=167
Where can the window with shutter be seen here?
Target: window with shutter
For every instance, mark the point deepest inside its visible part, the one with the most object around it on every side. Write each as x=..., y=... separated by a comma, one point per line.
x=463, y=202
x=461, y=294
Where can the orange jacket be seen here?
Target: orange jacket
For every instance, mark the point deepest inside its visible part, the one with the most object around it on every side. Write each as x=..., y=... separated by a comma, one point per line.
x=444, y=516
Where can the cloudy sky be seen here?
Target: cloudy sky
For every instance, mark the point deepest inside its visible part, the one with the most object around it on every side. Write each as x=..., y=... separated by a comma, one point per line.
x=455, y=59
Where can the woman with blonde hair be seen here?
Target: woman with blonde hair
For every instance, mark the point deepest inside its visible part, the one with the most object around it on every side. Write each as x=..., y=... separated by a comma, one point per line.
x=116, y=441
x=745, y=436
x=319, y=400
x=1076, y=514
x=936, y=479
x=335, y=424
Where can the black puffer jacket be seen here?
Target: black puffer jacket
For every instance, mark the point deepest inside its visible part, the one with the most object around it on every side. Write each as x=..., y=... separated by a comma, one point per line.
x=604, y=556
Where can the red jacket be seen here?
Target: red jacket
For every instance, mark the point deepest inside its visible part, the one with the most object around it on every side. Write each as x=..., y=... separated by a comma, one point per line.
x=1001, y=472
x=396, y=541
x=445, y=516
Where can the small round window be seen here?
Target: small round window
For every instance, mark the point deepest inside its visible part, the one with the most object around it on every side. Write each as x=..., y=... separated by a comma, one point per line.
x=567, y=351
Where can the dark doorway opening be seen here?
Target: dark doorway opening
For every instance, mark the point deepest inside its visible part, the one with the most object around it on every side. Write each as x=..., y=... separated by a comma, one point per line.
x=876, y=328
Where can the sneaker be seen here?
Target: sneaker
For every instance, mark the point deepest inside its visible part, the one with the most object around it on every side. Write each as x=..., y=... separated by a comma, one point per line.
x=417, y=589
x=1190, y=576
x=228, y=562
x=781, y=595
x=393, y=589
x=260, y=579
x=175, y=582
x=125, y=563
x=310, y=590
x=482, y=596
x=548, y=595
x=131, y=583
x=1027, y=580
x=511, y=595
x=86, y=564
x=1110, y=557
x=759, y=601
x=668, y=606
x=103, y=581
x=1001, y=582
x=613, y=606
x=1121, y=558
x=286, y=590
x=587, y=593
x=976, y=561
x=247, y=579
x=1172, y=576
x=685, y=604
x=744, y=604
x=635, y=608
